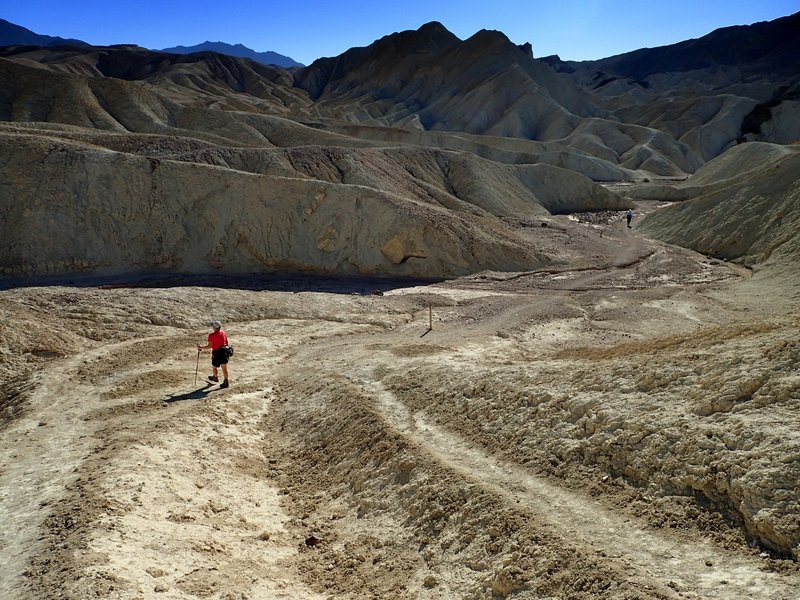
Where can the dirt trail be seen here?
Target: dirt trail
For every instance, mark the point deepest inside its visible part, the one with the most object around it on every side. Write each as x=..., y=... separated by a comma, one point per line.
x=40, y=455
x=682, y=563
x=170, y=499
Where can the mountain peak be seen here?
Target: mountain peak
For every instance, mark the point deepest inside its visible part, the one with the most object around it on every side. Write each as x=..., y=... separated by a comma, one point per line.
x=432, y=34
x=433, y=27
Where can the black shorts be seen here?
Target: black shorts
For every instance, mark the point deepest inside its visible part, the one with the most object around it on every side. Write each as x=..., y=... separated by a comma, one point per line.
x=219, y=357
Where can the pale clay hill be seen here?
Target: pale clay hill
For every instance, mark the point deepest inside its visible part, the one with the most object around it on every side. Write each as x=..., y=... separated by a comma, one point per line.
x=481, y=97
x=404, y=211
x=752, y=217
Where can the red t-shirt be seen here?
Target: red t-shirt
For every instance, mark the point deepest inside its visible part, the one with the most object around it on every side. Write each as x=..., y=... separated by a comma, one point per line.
x=218, y=339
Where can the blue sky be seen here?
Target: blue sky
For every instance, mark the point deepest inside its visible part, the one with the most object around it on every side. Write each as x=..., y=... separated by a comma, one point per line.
x=305, y=31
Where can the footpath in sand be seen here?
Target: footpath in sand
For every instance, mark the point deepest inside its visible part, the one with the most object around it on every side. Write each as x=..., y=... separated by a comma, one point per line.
x=511, y=451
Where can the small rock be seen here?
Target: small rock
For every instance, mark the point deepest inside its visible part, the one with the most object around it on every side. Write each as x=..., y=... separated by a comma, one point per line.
x=161, y=588
x=709, y=563
x=313, y=540
x=264, y=536
x=430, y=582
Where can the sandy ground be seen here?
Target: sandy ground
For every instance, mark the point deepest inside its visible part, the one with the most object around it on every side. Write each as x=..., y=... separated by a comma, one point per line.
x=627, y=429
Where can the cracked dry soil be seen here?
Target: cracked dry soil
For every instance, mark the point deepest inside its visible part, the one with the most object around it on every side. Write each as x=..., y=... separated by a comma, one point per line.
x=624, y=431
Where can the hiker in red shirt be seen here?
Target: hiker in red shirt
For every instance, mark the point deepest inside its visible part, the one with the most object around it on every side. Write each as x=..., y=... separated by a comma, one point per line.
x=218, y=342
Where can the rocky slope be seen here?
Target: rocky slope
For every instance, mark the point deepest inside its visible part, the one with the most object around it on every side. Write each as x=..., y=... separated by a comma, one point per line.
x=399, y=212
x=750, y=212
x=448, y=142
x=734, y=84
x=430, y=80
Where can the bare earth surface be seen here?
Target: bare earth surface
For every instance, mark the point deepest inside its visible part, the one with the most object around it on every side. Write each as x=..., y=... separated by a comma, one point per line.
x=625, y=430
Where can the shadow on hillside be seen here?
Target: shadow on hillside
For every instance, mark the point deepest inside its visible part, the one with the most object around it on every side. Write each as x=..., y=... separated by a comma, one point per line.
x=255, y=282
x=198, y=394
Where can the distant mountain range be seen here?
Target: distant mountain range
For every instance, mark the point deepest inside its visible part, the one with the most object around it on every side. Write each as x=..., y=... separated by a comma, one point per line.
x=265, y=58
x=12, y=35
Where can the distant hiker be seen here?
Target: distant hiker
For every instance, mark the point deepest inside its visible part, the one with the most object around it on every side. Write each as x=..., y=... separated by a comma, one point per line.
x=629, y=216
x=220, y=352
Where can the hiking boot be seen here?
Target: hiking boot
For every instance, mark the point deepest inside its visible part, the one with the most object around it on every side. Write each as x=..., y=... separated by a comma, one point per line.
x=224, y=384
x=213, y=378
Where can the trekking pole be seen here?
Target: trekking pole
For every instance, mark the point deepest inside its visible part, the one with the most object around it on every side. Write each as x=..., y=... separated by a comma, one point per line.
x=197, y=367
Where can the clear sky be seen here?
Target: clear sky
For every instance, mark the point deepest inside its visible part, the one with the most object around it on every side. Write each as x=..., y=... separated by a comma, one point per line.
x=307, y=30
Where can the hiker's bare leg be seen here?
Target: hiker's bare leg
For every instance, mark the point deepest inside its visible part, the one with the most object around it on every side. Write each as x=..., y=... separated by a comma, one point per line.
x=224, y=371
x=215, y=371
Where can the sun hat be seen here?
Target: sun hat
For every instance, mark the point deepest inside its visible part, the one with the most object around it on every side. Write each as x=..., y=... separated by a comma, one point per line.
x=216, y=324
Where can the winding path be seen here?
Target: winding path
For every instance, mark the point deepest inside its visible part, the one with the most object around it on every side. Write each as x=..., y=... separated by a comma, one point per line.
x=672, y=561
